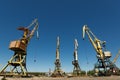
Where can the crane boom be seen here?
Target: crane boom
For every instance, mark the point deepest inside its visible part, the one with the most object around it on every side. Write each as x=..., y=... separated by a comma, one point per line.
x=27, y=33
x=58, y=42
x=76, y=49
x=76, y=44
x=57, y=50
x=96, y=42
x=32, y=32
x=115, y=59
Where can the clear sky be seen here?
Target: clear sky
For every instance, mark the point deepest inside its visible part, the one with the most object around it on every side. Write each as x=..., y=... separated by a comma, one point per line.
x=63, y=18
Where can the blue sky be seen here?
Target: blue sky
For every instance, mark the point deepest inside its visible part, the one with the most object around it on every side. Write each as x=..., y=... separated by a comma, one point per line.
x=63, y=18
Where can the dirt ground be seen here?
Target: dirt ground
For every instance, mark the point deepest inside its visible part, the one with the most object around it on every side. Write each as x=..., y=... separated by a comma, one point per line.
x=65, y=78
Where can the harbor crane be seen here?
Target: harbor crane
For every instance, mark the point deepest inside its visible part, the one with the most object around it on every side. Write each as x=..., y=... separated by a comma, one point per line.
x=58, y=71
x=76, y=70
x=104, y=65
x=17, y=63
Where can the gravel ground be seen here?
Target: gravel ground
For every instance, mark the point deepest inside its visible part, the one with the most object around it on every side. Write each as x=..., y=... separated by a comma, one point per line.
x=72, y=78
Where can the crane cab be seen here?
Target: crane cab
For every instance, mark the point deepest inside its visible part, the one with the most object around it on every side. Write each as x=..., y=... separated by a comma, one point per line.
x=107, y=54
x=17, y=45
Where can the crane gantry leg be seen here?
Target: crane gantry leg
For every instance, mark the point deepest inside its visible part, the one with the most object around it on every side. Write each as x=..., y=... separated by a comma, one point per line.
x=57, y=72
x=17, y=65
x=76, y=70
x=101, y=70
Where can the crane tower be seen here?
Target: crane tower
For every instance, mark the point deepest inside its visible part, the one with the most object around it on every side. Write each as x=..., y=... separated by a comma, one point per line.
x=57, y=72
x=76, y=70
x=17, y=63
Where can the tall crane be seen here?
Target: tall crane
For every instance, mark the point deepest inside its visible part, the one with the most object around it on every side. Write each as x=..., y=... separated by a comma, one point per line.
x=17, y=63
x=76, y=70
x=58, y=71
x=103, y=63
